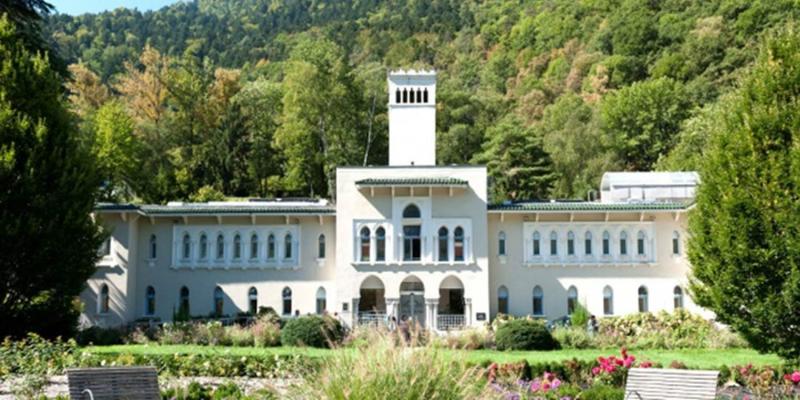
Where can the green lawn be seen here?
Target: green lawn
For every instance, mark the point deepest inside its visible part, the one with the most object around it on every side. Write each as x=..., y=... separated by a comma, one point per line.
x=695, y=358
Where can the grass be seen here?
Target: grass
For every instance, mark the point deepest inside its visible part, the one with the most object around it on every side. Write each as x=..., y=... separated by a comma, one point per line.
x=694, y=358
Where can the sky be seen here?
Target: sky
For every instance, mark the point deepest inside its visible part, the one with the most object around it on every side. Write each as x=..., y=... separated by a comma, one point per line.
x=76, y=7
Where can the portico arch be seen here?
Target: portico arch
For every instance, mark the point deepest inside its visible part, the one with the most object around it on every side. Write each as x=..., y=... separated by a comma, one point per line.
x=371, y=297
x=450, y=312
x=412, y=300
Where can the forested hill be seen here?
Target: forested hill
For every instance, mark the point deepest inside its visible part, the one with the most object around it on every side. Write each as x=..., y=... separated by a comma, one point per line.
x=266, y=97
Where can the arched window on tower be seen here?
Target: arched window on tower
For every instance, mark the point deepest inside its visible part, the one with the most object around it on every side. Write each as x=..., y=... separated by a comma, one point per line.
x=287, y=244
x=425, y=96
x=677, y=297
x=419, y=96
x=254, y=246
x=405, y=96
x=397, y=96
x=501, y=243
x=606, y=243
x=538, y=300
x=380, y=244
x=364, y=239
x=203, y=246
x=640, y=243
x=572, y=299
x=502, y=300
x=587, y=243
x=443, y=244
x=271, y=247
x=187, y=246
x=623, y=243
x=643, y=306
x=608, y=301
x=537, y=248
x=252, y=301
x=570, y=243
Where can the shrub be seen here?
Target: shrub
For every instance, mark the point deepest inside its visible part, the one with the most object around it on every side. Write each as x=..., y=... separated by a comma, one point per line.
x=313, y=331
x=266, y=332
x=101, y=336
x=387, y=369
x=603, y=392
x=572, y=337
x=523, y=334
x=580, y=316
x=239, y=336
x=468, y=339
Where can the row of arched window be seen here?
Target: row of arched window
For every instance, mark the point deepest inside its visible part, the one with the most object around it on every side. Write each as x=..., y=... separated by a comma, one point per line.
x=239, y=251
x=572, y=299
x=411, y=96
x=218, y=300
x=553, y=245
x=410, y=249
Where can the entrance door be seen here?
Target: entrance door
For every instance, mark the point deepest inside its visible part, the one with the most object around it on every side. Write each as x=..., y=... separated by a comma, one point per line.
x=412, y=305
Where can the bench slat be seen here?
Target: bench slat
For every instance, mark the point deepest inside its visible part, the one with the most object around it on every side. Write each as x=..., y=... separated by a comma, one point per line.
x=670, y=384
x=134, y=383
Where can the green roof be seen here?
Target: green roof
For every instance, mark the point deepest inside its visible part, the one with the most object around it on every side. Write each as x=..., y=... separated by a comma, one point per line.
x=412, y=182
x=219, y=209
x=589, y=206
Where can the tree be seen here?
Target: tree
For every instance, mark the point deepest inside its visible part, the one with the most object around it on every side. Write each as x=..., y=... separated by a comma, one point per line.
x=117, y=152
x=518, y=166
x=49, y=241
x=744, y=239
x=641, y=121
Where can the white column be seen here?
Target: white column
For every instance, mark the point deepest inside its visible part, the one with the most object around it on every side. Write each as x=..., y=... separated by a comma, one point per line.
x=468, y=312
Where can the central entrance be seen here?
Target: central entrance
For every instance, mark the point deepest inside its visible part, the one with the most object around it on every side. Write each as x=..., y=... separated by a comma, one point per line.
x=412, y=300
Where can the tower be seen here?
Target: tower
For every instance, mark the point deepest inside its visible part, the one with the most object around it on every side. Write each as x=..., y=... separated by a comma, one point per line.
x=412, y=118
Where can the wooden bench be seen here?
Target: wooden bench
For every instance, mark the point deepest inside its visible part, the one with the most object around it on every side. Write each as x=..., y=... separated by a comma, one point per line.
x=670, y=384
x=129, y=383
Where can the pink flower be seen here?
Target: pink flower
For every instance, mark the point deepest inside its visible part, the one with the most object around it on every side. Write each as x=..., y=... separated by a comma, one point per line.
x=595, y=370
x=535, y=385
x=795, y=377
x=548, y=376
x=646, y=364
x=546, y=386
x=556, y=383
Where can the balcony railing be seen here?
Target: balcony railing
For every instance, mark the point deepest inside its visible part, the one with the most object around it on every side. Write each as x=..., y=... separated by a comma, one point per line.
x=449, y=322
x=371, y=318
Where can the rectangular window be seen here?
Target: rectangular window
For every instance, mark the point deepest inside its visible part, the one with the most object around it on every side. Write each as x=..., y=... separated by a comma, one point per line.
x=412, y=244
x=640, y=246
x=675, y=246
x=606, y=247
x=380, y=249
x=443, y=248
x=321, y=250
x=623, y=247
x=588, y=246
x=502, y=247
x=536, y=249
x=553, y=247
x=571, y=247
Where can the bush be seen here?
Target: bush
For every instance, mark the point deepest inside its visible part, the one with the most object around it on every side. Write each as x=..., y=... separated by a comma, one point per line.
x=603, y=392
x=572, y=337
x=312, y=330
x=580, y=316
x=239, y=336
x=101, y=336
x=468, y=339
x=524, y=334
x=266, y=332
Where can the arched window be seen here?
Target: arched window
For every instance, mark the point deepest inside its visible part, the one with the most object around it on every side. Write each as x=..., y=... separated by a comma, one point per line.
x=287, y=246
x=252, y=301
x=676, y=243
x=643, y=306
x=411, y=97
x=237, y=247
x=640, y=243
x=271, y=247
x=572, y=299
x=203, y=246
x=537, y=248
x=419, y=96
x=322, y=302
x=365, y=239
x=321, y=247
x=254, y=246
x=104, y=300
x=380, y=244
x=553, y=243
x=425, y=96
x=397, y=96
x=570, y=243
x=150, y=301
x=443, y=244
x=287, y=301
x=405, y=95
x=677, y=297
x=411, y=211
x=501, y=243
x=538, y=300
x=587, y=243
x=220, y=247
x=219, y=301
x=458, y=244
x=412, y=243
x=606, y=243
x=623, y=243
x=183, y=306
x=608, y=301
x=153, y=247
x=187, y=246
x=502, y=300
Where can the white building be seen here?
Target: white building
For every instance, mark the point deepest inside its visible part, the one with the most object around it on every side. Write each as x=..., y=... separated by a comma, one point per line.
x=408, y=239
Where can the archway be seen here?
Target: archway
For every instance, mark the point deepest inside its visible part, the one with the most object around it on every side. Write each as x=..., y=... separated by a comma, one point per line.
x=372, y=303
x=450, y=312
x=412, y=300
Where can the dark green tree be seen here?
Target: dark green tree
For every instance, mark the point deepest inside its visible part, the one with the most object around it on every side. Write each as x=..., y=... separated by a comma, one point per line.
x=49, y=241
x=518, y=166
x=744, y=238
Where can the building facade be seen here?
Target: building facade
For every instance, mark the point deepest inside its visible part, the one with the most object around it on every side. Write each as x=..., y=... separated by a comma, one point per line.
x=410, y=240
